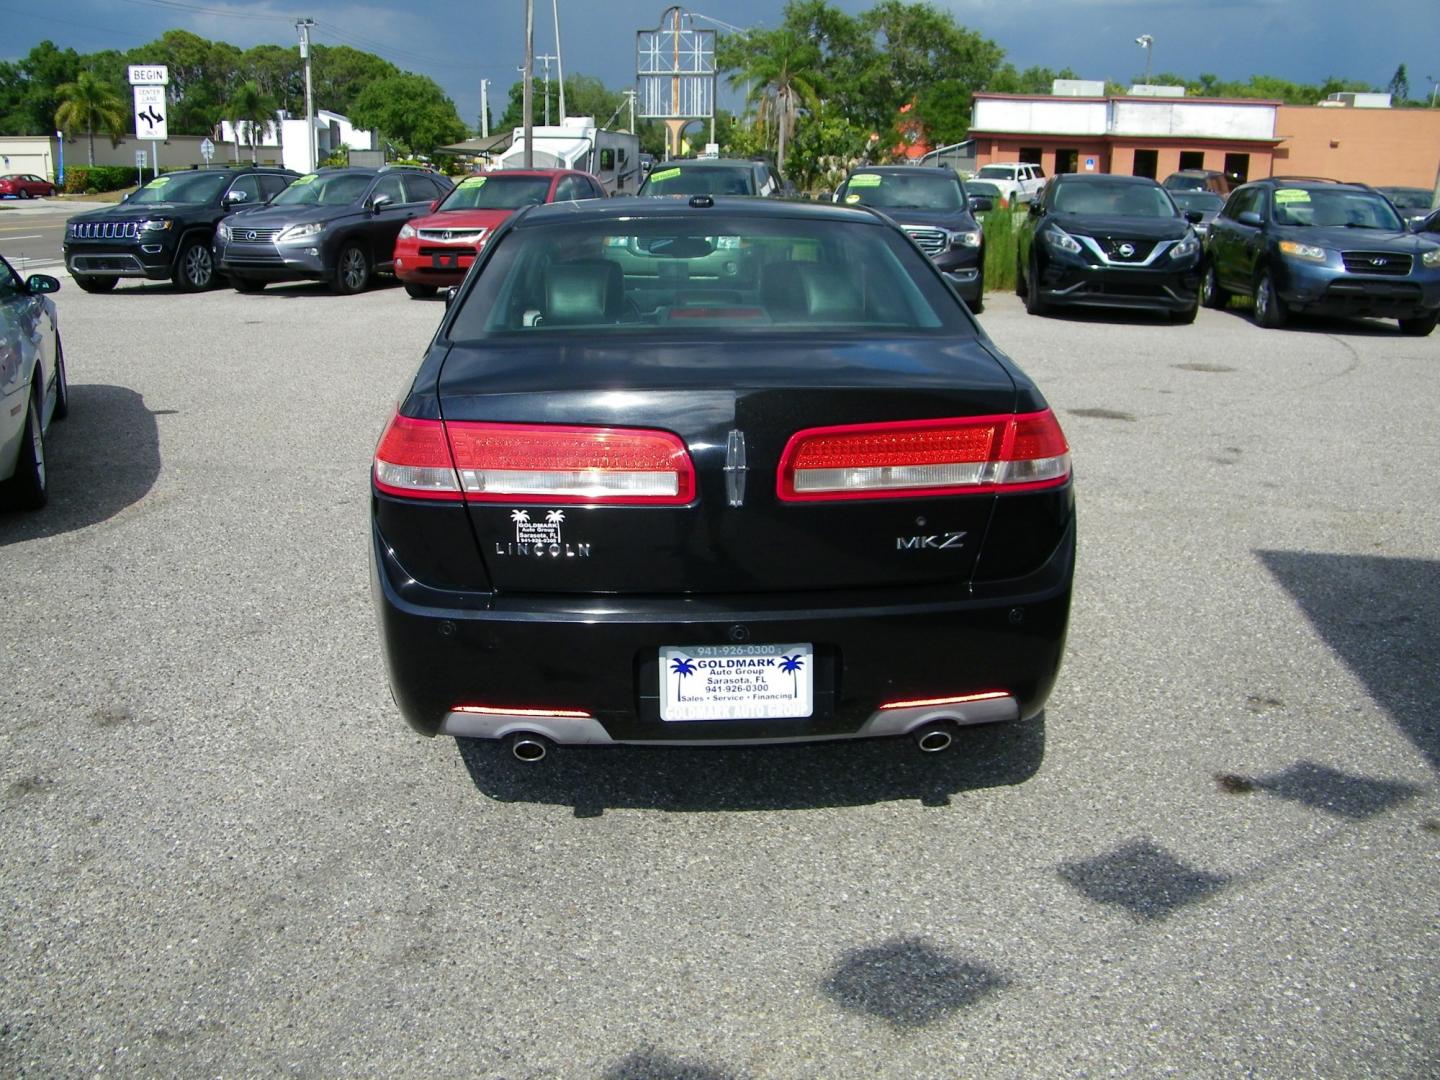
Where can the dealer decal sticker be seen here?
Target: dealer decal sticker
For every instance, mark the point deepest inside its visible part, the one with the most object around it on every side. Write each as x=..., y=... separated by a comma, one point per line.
x=541, y=539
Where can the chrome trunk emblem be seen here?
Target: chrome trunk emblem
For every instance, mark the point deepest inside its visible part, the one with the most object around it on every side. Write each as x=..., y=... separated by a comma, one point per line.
x=735, y=468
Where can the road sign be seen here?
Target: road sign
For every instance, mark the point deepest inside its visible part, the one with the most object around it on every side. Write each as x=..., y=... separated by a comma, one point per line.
x=150, y=111
x=142, y=158
x=675, y=69
x=207, y=150
x=149, y=75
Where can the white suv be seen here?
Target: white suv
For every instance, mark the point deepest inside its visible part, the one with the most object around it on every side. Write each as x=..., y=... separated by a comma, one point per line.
x=1018, y=181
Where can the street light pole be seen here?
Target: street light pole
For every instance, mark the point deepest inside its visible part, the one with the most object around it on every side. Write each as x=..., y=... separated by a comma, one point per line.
x=311, y=148
x=547, y=60
x=559, y=64
x=528, y=95
x=1146, y=42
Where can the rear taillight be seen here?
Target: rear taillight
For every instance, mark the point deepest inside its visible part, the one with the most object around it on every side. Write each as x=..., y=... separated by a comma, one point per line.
x=924, y=457
x=482, y=462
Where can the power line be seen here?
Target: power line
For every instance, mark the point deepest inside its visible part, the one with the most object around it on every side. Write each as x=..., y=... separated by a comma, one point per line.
x=176, y=5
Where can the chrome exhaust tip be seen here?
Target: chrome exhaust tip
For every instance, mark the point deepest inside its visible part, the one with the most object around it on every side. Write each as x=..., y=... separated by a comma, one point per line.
x=934, y=737
x=528, y=748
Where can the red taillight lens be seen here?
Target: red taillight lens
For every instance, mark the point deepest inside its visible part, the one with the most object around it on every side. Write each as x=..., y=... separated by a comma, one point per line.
x=924, y=457
x=533, y=462
x=413, y=459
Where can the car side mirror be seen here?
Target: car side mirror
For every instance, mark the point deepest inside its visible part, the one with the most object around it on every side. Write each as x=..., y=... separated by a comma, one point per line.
x=434, y=205
x=42, y=283
x=1194, y=217
x=450, y=294
x=1251, y=218
x=377, y=202
x=981, y=203
x=233, y=197
x=1035, y=208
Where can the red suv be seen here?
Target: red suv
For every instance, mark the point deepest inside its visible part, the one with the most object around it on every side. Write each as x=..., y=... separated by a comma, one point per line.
x=437, y=250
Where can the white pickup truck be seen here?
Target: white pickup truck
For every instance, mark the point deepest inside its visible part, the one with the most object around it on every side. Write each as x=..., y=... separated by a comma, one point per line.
x=1018, y=181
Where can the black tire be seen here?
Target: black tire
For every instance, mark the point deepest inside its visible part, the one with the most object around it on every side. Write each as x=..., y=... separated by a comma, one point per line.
x=195, y=268
x=26, y=489
x=62, y=384
x=1269, y=308
x=1186, y=317
x=1211, y=294
x=977, y=305
x=420, y=292
x=1420, y=327
x=240, y=283
x=352, y=271
x=1034, y=304
x=1021, y=285
x=95, y=284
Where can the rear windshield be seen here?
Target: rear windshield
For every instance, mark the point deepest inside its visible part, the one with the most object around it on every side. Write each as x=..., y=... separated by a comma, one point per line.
x=1324, y=207
x=1409, y=198
x=738, y=274
x=700, y=180
x=997, y=172
x=1113, y=200
x=318, y=189
x=194, y=188
x=922, y=191
x=497, y=193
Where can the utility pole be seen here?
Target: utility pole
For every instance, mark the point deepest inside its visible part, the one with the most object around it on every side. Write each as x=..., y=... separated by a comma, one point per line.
x=630, y=97
x=484, y=108
x=547, y=60
x=304, y=25
x=528, y=96
x=559, y=67
x=1146, y=42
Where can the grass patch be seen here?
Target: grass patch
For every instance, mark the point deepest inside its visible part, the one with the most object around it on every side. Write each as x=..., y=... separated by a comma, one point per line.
x=1001, y=227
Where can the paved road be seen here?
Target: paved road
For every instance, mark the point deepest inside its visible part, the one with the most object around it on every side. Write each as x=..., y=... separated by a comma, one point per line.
x=225, y=855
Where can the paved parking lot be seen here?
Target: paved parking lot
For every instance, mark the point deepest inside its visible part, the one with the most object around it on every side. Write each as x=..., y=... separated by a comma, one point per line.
x=1217, y=855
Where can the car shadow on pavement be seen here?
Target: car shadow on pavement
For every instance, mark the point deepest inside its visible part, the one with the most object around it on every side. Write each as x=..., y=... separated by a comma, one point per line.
x=783, y=777
x=104, y=457
x=1379, y=615
x=1322, y=324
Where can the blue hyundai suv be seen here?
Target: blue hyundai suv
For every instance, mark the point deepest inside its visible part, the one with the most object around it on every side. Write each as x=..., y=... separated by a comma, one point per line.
x=1297, y=244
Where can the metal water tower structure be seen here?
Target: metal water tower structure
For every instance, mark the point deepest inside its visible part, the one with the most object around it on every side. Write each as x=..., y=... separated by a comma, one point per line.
x=675, y=73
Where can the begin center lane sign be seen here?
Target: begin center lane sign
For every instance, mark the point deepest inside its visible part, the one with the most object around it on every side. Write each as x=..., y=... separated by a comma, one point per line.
x=150, y=110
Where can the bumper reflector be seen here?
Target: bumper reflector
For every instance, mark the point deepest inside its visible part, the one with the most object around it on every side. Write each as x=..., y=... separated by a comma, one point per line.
x=925, y=703
x=495, y=710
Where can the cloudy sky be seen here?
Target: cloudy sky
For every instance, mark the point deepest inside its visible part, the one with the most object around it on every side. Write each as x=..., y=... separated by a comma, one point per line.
x=459, y=44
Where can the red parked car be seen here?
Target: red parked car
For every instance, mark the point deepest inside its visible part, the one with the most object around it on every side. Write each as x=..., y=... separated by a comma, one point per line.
x=24, y=186
x=435, y=251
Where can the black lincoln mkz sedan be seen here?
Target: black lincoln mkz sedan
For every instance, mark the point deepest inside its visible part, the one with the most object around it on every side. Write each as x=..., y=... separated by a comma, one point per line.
x=717, y=471
x=1109, y=241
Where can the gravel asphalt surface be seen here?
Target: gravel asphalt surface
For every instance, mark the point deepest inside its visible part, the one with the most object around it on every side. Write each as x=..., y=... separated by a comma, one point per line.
x=1218, y=855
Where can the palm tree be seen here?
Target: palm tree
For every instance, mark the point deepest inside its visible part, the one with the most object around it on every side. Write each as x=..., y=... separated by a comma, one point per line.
x=777, y=67
x=89, y=103
x=683, y=667
x=251, y=106
x=790, y=665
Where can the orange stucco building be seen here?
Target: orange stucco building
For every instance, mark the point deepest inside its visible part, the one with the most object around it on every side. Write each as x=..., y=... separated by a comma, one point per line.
x=1247, y=139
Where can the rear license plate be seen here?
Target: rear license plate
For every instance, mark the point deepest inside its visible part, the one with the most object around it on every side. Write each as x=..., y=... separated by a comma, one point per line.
x=737, y=682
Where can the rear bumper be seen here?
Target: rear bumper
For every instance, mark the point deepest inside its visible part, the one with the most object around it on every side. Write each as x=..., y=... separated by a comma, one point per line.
x=599, y=655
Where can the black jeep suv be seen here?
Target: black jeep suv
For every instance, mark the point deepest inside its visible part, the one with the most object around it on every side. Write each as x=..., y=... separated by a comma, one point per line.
x=1298, y=244
x=335, y=225
x=163, y=231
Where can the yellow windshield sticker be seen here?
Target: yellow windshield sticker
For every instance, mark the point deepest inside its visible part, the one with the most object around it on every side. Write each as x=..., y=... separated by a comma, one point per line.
x=303, y=181
x=159, y=181
x=1291, y=195
x=852, y=198
x=865, y=180
x=664, y=174
x=473, y=181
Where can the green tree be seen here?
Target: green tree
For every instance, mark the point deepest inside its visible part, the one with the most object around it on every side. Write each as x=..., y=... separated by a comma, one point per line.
x=28, y=98
x=411, y=110
x=779, y=69
x=202, y=75
x=252, y=107
x=87, y=104
x=1400, y=85
x=340, y=74
x=585, y=95
x=279, y=74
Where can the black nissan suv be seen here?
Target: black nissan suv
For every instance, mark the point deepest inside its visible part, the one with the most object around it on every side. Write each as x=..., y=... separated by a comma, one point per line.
x=163, y=231
x=335, y=225
x=1299, y=244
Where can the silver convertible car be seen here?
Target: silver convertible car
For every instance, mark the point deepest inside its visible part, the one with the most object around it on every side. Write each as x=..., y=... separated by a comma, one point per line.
x=33, y=390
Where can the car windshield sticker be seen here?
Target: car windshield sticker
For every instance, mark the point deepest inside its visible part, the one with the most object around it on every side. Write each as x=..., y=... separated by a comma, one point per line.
x=865, y=180
x=159, y=181
x=1291, y=195
x=304, y=180
x=541, y=539
x=664, y=174
x=852, y=198
x=473, y=181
